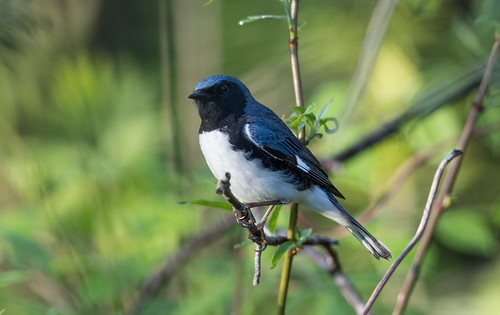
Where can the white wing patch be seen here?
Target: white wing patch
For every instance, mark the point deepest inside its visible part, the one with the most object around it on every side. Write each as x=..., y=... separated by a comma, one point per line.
x=302, y=165
x=246, y=128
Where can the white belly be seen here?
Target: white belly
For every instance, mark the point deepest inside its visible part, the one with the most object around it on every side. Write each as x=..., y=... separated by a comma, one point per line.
x=250, y=181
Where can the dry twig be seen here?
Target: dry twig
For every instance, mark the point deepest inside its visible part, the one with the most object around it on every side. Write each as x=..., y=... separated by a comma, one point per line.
x=331, y=264
x=448, y=182
x=420, y=230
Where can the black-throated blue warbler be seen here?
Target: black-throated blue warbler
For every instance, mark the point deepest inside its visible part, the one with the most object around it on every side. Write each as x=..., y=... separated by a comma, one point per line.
x=266, y=161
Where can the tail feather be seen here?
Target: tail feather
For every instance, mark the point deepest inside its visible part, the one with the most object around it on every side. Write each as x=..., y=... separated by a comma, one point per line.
x=374, y=246
x=322, y=201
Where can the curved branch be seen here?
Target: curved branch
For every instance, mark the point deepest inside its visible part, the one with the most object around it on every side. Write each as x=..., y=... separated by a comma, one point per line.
x=420, y=230
x=448, y=182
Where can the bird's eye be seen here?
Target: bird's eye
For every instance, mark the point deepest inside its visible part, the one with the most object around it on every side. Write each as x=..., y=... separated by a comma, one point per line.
x=224, y=88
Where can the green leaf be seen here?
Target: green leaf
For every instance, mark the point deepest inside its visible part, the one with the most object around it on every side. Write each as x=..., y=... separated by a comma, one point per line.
x=298, y=110
x=316, y=122
x=244, y=243
x=254, y=18
x=282, y=250
x=322, y=113
x=286, y=7
x=273, y=219
x=299, y=122
x=311, y=108
x=209, y=203
x=12, y=277
x=208, y=2
x=303, y=235
x=311, y=119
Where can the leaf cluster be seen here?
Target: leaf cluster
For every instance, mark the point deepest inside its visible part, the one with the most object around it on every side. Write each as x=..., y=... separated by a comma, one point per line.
x=289, y=245
x=305, y=117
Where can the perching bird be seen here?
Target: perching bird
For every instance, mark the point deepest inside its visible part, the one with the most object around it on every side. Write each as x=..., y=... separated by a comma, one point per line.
x=266, y=161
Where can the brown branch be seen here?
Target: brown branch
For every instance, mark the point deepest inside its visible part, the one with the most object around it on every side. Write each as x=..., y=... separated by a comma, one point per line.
x=189, y=248
x=424, y=106
x=246, y=219
x=413, y=163
x=448, y=182
x=329, y=262
x=395, y=183
x=420, y=229
x=242, y=213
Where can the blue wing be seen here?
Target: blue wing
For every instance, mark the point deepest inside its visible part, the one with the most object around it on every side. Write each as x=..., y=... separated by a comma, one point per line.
x=274, y=137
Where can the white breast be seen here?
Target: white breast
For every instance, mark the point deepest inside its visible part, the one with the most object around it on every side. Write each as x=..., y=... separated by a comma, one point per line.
x=250, y=181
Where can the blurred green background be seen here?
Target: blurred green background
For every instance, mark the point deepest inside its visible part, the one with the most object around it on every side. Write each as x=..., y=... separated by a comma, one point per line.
x=98, y=144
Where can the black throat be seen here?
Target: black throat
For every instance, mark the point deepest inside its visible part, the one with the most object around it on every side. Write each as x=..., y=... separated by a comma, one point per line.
x=221, y=113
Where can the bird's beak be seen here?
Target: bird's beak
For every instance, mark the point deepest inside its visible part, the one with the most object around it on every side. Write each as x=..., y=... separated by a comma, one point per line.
x=197, y=95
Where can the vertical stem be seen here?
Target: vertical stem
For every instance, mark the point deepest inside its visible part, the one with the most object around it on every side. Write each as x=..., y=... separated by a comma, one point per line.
x=294, y=55
x=287, y=262
x=168, y=60
x=299, y=101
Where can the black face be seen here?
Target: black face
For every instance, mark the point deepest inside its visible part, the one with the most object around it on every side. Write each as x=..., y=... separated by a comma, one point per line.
x=219, y=104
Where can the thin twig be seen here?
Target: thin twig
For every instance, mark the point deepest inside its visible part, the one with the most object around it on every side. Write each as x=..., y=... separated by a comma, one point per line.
x=395, y=183
x=189, y=248
x=424, y=106
x=448, y=182
x=246, y=219
x=331, y=264
x=420, y=230
x=257, y=260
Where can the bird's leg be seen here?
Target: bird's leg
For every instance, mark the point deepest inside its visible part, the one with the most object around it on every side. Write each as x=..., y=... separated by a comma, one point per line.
x=266, y=203
x=271, y=204
x=266, y=215
x=247, y=218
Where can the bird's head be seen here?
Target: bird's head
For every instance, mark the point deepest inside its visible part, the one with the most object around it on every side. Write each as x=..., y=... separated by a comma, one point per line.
x=220, y=96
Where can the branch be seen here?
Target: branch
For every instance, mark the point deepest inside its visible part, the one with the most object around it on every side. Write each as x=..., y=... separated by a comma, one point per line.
x=246, y=219
x=395, y=183
x=330, y=263
x=440, y=94
x=448, y=181
x=420, y=230
x=189, y=248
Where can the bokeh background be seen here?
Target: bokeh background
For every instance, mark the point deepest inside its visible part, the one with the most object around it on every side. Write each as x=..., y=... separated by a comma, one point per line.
x=98, y=145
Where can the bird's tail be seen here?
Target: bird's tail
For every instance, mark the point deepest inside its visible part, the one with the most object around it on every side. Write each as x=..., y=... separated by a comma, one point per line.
x=374, y=246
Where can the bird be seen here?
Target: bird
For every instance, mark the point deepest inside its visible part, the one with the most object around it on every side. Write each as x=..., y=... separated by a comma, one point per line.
x=266, y=161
